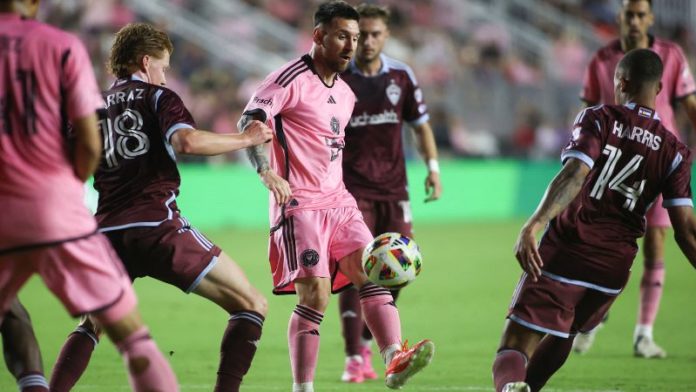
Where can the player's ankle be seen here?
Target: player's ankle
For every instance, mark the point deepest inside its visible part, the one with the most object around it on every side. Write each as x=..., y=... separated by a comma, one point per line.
x=643, y=330
x=389, y=352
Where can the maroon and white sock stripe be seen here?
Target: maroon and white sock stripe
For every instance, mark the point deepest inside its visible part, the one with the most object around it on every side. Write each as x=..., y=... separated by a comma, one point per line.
x=249, y=316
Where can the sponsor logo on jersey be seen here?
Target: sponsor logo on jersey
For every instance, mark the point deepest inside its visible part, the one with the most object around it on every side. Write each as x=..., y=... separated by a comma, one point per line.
x=263, y=101
x=386, y=117
x=393, y=92
x=336, y=145
x=331, y=99
x=309, y=258
x=335, y=125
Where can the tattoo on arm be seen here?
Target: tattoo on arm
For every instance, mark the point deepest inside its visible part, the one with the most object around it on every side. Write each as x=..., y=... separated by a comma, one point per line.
x=562, y=190
x=256, y=154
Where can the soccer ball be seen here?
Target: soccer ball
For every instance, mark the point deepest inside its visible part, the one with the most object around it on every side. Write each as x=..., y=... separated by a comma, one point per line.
x=391, y=260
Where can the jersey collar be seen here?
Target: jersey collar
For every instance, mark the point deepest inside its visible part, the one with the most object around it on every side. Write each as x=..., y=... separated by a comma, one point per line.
x=643, y=111
x=383, y=69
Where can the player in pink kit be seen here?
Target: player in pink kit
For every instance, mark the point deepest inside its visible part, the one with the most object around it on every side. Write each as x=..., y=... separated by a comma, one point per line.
x=677, y=86
x=374, y=168
x=46, y=228
x=318, y=233
x=619, y=160
x=143, y=126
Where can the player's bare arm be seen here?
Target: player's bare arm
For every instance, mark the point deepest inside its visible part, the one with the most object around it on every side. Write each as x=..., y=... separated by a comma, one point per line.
x=198, y=142
x=428, y=150
x=684, y=224
x=88, y=146
x=257, y=155
x=562, y=190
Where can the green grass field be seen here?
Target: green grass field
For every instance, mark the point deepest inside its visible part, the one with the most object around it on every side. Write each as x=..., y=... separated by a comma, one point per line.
x=459, y=301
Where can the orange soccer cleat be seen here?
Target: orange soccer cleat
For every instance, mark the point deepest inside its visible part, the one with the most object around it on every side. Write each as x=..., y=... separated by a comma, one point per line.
x=408, y=362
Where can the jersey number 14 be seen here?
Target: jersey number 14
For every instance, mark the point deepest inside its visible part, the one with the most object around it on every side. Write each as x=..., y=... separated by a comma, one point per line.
x=617, y=183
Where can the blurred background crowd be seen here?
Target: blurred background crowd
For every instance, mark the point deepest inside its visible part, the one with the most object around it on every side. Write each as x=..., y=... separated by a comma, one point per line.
x=501, y=77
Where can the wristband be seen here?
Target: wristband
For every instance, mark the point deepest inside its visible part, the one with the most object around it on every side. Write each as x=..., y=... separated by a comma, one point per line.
x=433, y=165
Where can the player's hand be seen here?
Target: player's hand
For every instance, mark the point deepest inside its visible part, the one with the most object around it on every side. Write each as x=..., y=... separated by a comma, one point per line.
x=277, y=185
x=433, y=187
x=258, y=132
x=527, y=253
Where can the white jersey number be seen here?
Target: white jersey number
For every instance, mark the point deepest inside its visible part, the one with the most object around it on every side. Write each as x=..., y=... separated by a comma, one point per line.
x=123, y=137
x=632, y=192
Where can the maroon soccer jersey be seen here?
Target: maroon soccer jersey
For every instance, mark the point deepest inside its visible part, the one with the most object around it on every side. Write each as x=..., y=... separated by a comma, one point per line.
x=373, y=158
x=633, y=159
x=138, y=180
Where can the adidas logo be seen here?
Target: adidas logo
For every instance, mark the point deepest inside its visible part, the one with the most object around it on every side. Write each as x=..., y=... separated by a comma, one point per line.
x=331, y=99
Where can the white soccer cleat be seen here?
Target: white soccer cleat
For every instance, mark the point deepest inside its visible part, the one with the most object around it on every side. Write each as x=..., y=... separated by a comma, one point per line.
x=644, y=347
x=408, y=362
x=584, y=340
x=518, y=386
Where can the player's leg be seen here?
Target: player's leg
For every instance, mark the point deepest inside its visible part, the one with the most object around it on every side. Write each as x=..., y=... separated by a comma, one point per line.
x=517, y=345
x=356, y=334
x=392, y=216
x=303, y=330
x=652, y=282
x=227, y=285
x=75, y=355
x=382, y=317
x=87, y=275
x=21, y=350
x=549, y=356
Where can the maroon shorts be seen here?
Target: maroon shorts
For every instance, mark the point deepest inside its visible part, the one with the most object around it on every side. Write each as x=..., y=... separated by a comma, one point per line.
x=173, y=252
x=387, y=216
x=559, y=306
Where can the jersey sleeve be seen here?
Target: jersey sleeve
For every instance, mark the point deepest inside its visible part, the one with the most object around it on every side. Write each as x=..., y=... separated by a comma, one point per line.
x=685, y=84
x=586, y=139
x=272, y=99
x=171, y=112
x=81, y=91
x=415, y=110
x=590, y=83
x=677, y=190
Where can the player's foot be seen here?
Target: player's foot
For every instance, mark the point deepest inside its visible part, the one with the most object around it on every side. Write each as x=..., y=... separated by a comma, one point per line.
x=584, y=340
x=368, y=371
x=516, y=387
x=354, y=370
x=644, y=347
x=408, y=362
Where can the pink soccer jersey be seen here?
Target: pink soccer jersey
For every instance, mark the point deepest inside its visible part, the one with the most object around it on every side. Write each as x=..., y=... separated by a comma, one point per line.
x=309, y=119
x=46, y=79
x=677, y=80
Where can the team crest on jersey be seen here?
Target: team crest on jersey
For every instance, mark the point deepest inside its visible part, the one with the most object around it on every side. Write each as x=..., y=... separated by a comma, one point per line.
x=335, y=125
x=309, y=258
x=393, y=92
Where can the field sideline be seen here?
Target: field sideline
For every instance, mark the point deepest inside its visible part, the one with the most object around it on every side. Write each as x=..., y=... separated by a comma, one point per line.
x=459, y=301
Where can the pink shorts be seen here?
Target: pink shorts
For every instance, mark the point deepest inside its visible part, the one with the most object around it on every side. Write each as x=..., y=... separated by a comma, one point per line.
x=657, y=216
x=85, y=274
x=310, y=244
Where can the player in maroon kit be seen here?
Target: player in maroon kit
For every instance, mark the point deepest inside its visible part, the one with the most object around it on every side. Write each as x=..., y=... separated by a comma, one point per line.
x=619, y=160
x=373, y=162
x=678, y=85
x=144, y=125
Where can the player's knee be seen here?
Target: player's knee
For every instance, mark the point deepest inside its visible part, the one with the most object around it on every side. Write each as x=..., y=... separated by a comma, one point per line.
x=88, y=323
x=259, y=304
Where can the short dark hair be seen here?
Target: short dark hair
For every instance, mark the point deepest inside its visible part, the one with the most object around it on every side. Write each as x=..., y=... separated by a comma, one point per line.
x=642, y=66
x=374, y=11
x=335, y=9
